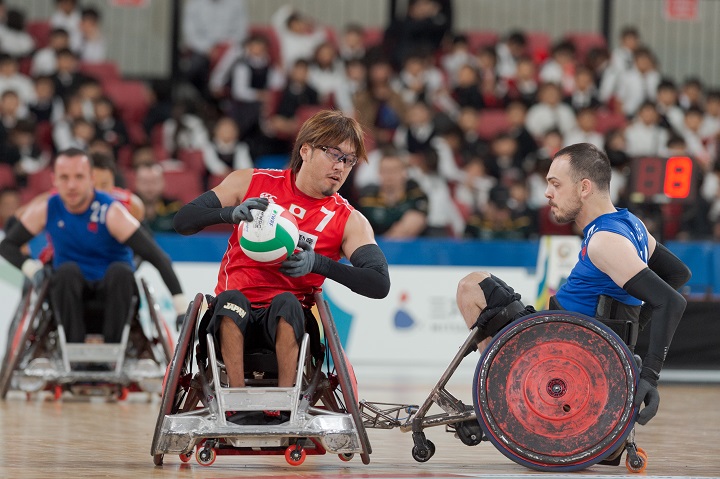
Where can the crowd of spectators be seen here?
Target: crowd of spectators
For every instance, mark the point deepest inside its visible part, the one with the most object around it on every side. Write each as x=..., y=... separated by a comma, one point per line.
x=460, y=125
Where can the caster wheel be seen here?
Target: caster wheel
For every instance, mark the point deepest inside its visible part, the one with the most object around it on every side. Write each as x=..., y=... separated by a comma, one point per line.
x=421, y=454
x=158, y=459
x=469, y=432
x=639, y=465
x=295, y=455
x=186, y=457
x=346, y=457
x=123, y=393
x=205, y=456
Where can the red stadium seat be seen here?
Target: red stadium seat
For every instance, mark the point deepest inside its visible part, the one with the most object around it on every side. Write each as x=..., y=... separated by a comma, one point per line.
x=192, y=160
x=102, y=71
x=7, y=176
x=124, y=157
x=40, y=182
x=217, y=52
x=182, y=185
x=608, y=120
x=268, y=32
x=373, y=36
x=584, y=42
x=304, y=112
x=43, y=136
x=478, y=39
x=331, y=35
x=24, y=65
x=491, y=123
x=40, y=32
x=129, y=175
x=539, y=44
x=215, y=180
x=131, y=98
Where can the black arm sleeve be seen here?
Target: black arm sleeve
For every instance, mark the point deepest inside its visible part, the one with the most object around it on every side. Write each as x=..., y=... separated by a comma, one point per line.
x=17, y=236
x=669, y=267
x=10, y=222
x=205, y=210
x=368, y=274
x=667, y=306
x=144, y=246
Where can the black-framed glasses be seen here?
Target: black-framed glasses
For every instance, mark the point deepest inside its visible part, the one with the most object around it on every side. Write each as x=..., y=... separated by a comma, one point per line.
x=336, y=155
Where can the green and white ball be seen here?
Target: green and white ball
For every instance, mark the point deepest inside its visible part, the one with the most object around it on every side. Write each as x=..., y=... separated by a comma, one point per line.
x=271, y=236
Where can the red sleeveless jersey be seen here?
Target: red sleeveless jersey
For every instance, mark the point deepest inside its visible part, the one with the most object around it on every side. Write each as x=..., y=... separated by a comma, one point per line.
x=321, y=223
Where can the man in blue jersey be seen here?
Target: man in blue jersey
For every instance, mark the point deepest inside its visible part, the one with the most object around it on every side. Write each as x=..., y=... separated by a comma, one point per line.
x=94, y=238
x=622, y=271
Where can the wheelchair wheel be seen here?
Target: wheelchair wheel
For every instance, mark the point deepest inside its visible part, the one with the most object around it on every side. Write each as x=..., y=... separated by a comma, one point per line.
x=176, y=387
x=161, y=327
x=554, y=391
x=346, y=376
x=17, y=316
x=22, y=334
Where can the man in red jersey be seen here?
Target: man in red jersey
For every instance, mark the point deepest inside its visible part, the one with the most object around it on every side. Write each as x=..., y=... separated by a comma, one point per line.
x=263, y=303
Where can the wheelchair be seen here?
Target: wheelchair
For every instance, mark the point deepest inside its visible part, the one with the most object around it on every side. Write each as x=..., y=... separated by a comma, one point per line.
x=553, y=392
x=324, y=413
x=38, y=357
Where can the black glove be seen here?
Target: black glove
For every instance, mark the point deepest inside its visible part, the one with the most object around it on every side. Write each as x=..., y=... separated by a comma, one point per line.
x=243, y=212
x=647, y=392
x=300, y=263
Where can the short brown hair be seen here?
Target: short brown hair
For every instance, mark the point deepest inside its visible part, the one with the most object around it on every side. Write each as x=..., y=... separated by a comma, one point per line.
x=588, y=161
x=328, y=127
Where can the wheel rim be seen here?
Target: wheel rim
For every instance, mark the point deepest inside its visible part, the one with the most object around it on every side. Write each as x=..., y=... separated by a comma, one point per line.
x=549, y=392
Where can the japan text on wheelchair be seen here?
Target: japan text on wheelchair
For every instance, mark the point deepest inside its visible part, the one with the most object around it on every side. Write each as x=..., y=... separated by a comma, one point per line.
x=553, y=391
x=38, y=357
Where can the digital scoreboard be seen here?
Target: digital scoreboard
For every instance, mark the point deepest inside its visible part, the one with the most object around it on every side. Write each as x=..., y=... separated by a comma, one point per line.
x=662, y=180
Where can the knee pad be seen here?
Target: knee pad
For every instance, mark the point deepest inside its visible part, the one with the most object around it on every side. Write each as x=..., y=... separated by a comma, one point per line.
x=503, y=306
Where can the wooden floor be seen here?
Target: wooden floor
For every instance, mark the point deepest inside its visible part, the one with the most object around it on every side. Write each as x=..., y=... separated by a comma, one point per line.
x=94, y=438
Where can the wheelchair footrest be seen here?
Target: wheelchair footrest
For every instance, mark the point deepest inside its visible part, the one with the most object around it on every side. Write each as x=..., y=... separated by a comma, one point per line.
x=94, y=353
x=258, y=398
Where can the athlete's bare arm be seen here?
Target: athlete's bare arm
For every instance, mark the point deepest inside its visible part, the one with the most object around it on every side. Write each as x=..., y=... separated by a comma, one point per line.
x=34, y=215
x=120, y=223
x=137, y=207
x=616, y=256
x=358, y=232
x=233, y=188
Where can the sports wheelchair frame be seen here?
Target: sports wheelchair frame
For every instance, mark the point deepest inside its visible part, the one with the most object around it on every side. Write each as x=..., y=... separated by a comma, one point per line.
x=324, y=415
x=37, y=356
x=553, y=391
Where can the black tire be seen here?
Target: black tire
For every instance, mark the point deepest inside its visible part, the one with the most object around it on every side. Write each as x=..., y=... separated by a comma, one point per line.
x=423, y=455
x=163, y=335
x=173, y=393
x=341, y=364
x=21, y=335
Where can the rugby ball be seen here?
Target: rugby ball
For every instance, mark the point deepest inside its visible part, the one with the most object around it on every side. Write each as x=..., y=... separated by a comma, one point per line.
x=271, y=236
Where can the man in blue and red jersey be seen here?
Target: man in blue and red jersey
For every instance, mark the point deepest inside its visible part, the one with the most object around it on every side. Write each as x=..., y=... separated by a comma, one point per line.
x=621, y=270
x=93, y=237
x=265, y=304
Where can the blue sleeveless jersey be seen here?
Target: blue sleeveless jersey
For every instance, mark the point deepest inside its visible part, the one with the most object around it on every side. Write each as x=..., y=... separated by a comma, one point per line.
x=586, y=282
x=84, y=238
